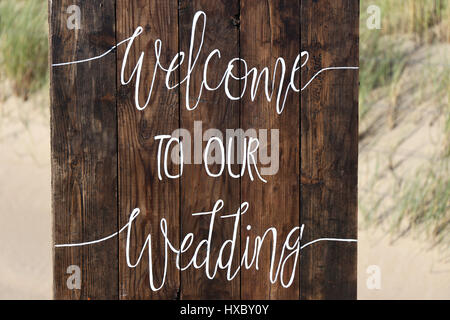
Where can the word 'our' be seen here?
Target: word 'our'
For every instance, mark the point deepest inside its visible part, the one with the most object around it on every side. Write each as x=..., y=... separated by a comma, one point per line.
x=237, y=152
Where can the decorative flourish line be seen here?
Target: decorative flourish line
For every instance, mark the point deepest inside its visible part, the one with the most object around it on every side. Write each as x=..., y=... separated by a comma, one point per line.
x=124, y=227
x=128, y=39
x=93, y=58
x=96, y=241
x=327, y=239
x=325, y=69
x=91, y=242
x=136, y=212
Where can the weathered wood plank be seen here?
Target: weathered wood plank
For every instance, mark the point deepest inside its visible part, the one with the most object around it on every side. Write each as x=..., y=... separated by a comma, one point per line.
x=270, y=29
x=329, y=148
x=199, y=192
x=139, y=186
x=84, y=149
x=104, y=153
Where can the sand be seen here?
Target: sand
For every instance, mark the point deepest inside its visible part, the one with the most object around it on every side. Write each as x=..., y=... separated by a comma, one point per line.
x=409, y=268
x=25, y=214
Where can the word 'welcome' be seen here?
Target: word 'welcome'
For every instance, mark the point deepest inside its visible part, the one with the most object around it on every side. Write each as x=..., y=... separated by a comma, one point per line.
x=228, y=75
x=247, y=77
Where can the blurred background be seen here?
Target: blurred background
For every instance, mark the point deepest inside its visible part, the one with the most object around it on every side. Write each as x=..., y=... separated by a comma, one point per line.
x=404, y=186
x=404, y=149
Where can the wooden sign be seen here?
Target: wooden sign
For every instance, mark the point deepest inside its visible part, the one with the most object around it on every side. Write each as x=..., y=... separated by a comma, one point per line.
x=204, y=149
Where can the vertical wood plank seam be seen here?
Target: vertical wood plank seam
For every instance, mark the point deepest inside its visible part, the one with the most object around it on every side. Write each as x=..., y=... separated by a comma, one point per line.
x=299, y=145
x=240, y=165
x=180, y=229
x=119, y=285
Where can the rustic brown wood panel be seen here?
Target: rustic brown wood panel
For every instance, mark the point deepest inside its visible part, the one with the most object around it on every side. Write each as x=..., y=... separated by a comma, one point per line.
x=139, y=186
x=84, y=149
x=329, y=148
x=104, y=153
x=199, y=192
x=270, y=29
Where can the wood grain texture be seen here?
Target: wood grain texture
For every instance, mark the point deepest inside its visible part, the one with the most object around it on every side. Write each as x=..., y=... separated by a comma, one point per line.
x=139, y=186
x=270, y=29
x=84, y=152
x=104, y=155
x=199, y=192
x=329, y=148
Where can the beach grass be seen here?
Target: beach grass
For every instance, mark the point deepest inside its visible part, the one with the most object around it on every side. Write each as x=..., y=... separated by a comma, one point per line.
x=423, y=200
x=24, y=44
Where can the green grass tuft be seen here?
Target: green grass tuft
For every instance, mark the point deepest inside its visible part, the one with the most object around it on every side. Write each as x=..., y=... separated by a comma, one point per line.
x=24, y=44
